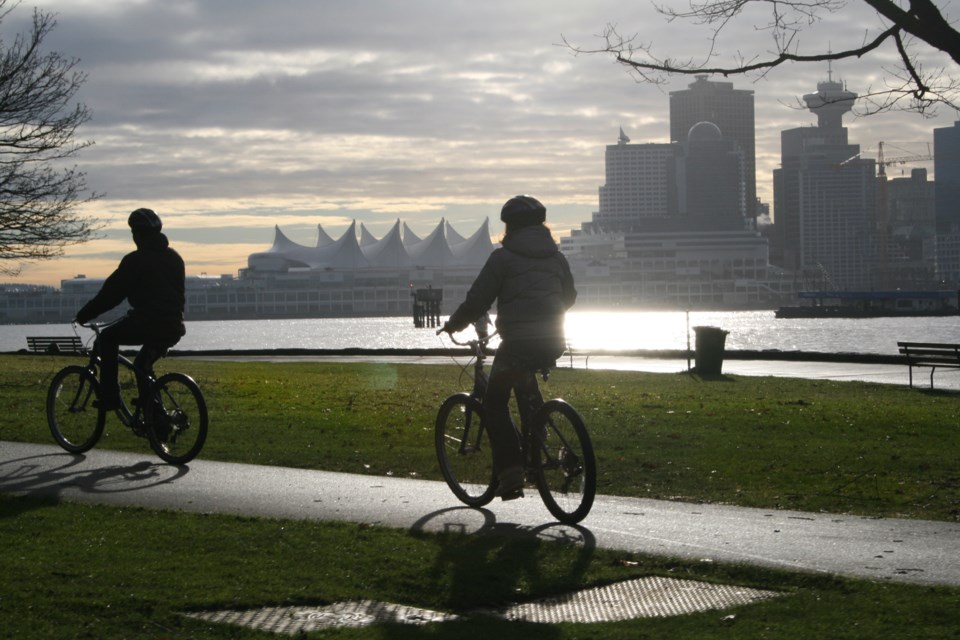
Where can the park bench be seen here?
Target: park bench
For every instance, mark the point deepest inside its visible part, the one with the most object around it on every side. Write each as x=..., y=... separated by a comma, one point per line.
x=930, y=354
x=55, y=344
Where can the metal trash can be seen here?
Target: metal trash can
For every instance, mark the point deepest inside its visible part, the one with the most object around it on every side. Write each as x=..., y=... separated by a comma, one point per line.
x=709, y=348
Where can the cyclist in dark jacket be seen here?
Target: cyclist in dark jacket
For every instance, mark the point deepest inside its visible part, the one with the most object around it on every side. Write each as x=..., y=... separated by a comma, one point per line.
x=530, y=281
x=151, y=279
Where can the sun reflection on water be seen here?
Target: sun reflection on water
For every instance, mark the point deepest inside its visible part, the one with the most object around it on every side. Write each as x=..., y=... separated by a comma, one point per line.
x=619, y=330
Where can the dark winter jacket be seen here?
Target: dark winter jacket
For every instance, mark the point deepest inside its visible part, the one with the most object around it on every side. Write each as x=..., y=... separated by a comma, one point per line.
x=531, y=282
x=151, y=279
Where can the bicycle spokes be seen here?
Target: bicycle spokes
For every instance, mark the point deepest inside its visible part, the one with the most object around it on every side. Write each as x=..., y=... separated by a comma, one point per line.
x=463, y=451
x=82, y=398
x=178, y=424
x=472, y=440
x=565, y=465
x=75, y=423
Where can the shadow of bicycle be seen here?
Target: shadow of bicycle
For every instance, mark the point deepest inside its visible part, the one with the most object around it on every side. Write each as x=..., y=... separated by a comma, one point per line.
x=487, y=564
x=50, y=475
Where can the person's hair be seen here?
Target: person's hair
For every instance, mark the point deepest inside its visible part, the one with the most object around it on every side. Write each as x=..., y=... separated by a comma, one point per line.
x=511, y=228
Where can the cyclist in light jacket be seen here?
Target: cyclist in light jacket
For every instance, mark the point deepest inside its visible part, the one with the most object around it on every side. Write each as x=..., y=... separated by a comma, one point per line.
x=530, y=280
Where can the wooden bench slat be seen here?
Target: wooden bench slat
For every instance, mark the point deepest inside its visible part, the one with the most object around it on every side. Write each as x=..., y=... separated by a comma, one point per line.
x=930, y=354
x=55, y=344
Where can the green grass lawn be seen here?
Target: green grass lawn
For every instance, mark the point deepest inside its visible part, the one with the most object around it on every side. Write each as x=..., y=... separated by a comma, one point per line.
x=79, y=571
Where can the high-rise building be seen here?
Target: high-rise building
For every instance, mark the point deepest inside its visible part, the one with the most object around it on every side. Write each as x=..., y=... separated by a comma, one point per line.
x=637, y=186
x=728, y=108
x=946, y=169
x=825, y=198
x=910, y=220
x=709, y=181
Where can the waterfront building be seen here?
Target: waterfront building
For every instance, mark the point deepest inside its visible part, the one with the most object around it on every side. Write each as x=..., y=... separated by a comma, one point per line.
x=732, y=110
x=356, y=275
x=674, y=270
x=825, y=198
x=946, y=250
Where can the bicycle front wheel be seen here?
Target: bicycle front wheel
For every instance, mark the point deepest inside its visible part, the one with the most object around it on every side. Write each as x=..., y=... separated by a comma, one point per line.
x=464, y=451
x=565, y=465
x=76, y=424
x=176, y=420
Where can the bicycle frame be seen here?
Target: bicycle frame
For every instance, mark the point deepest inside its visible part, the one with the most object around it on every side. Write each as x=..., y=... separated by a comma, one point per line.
x=144, y=379
x=526, y=393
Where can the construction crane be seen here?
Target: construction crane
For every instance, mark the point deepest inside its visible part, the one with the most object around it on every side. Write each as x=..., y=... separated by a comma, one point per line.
x=882, y=162
x=883, y=214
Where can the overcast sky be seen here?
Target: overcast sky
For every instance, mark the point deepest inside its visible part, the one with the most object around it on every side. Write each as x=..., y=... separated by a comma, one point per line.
x=231, y=116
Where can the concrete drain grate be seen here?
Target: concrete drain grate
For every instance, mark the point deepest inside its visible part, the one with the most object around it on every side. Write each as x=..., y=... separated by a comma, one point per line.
x=644, y=598
x=652, y=597
x=293, y=620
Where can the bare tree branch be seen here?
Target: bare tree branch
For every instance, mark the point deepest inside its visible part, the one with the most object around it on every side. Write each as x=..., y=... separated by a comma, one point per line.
x=912, y=88
x=39, y=196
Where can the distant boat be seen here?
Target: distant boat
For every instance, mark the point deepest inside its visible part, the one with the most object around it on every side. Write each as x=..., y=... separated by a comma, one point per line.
x=873, y=304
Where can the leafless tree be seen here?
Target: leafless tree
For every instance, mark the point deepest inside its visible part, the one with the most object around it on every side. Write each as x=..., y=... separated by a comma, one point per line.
x=39, y=192
x=916, y=29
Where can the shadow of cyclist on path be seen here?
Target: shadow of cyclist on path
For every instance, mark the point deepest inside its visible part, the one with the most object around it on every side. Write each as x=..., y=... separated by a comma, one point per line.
x=34, y=477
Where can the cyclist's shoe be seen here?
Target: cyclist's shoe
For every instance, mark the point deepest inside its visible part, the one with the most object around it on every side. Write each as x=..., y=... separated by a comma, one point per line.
x=157, y=419
x=162, y=428
x=510, y=486
x=160, y=422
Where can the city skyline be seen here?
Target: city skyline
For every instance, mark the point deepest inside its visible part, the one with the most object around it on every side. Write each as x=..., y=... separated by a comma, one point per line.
x=229, y=118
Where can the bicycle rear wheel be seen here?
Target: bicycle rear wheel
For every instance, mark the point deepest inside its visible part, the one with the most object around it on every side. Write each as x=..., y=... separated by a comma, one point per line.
x=75, y=423
x=565, y=465
x=176, y=420
x=464, y=451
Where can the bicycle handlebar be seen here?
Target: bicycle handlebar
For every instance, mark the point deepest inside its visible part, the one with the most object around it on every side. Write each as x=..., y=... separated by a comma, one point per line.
x=482, y=336
x=93, y=326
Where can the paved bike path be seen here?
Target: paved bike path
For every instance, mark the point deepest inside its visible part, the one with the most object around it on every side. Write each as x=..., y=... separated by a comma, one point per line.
x=911, y=551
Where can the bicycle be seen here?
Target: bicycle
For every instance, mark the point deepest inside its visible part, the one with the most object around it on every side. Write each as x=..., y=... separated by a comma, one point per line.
x=174, y=419
x=558, y=453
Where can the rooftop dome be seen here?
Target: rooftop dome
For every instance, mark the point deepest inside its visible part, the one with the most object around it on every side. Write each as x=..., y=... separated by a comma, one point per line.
x=704, y=131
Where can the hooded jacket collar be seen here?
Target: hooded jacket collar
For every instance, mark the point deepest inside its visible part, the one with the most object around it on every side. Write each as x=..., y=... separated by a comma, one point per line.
x=534, y=241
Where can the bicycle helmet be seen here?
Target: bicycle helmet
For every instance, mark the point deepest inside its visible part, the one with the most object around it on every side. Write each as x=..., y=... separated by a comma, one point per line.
x=523, y=210
x=145, y=220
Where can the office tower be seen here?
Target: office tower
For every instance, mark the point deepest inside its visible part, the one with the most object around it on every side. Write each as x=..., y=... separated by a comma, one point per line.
x=709, y=181
x=825, y=198
x=946, y=169
x=728, y=108
x=911, y=201
x=911, y=221
x=637, y=186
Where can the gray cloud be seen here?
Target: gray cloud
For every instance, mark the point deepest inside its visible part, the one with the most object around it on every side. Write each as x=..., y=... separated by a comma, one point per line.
x=362, y=105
